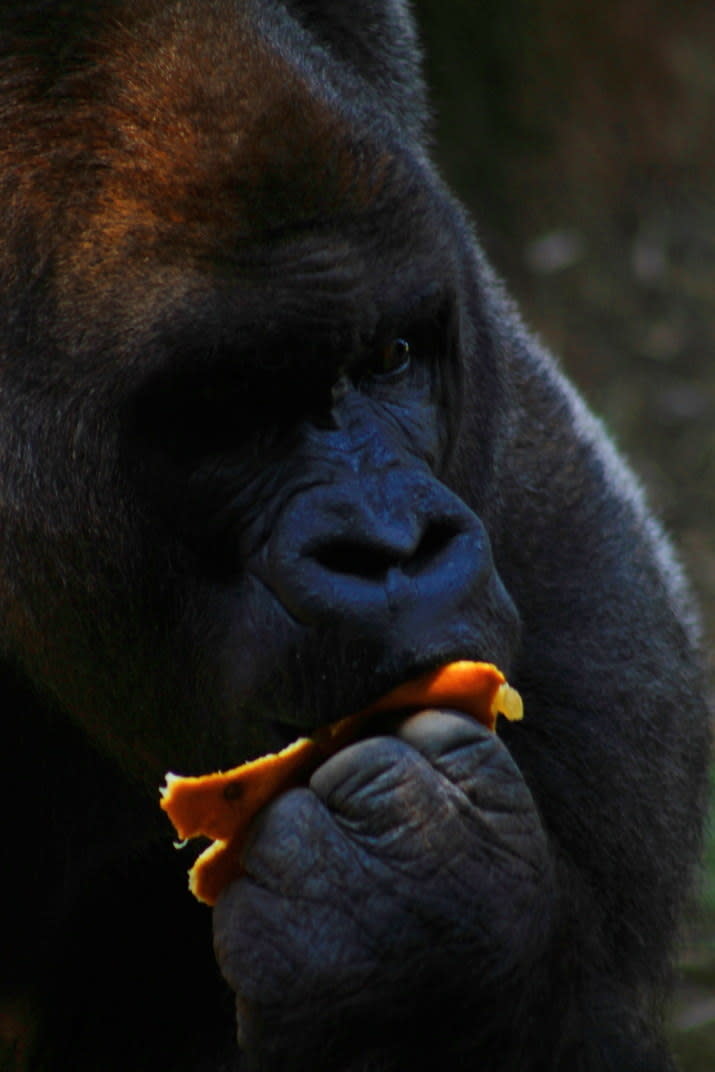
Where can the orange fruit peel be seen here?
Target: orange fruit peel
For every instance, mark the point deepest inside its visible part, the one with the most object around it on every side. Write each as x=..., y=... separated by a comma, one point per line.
x=221, y=806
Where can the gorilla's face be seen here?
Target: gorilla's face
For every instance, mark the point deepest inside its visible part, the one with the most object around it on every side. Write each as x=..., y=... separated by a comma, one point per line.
x=311, y=503
x=270, y=430
x=255, y=434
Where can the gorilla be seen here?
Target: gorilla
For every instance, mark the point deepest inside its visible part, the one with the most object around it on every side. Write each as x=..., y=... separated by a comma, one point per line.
x=275, y=440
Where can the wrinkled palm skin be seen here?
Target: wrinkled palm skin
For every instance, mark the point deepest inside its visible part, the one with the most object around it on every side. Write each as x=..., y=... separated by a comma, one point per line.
x=273, y=440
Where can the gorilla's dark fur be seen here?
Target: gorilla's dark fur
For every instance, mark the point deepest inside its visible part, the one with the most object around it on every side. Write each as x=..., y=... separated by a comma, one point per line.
x=235, y=504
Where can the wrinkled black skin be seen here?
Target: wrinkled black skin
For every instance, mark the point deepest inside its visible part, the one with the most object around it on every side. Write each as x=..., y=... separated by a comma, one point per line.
x=225, y=521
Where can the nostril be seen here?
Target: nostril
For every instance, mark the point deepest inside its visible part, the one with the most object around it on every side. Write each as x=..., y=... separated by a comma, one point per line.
x=436, y=538
x=349, y=557
x=371, y=561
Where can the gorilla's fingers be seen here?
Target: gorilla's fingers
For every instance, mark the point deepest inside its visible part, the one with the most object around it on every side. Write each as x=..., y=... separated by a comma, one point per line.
x=469, y=756
x=477, y=763
x=377, y=785
x=438, y=734
x=452, y=792
x=285, y=839
x=434, y=754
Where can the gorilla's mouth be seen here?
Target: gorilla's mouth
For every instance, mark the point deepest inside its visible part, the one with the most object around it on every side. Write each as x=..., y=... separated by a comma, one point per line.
x=221, y=806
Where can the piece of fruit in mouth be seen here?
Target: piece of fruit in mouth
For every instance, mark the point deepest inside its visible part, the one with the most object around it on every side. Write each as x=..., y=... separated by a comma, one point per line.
x=221, y=806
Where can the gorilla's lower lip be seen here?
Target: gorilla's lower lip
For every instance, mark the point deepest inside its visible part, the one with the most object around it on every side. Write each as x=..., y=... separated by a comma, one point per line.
x=221, y=806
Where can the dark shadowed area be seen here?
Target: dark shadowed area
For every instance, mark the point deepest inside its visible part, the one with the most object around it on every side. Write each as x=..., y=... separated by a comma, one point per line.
x=581, y=138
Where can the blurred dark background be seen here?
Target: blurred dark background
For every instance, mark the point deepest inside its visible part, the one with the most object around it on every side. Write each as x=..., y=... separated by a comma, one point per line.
x=582, y=137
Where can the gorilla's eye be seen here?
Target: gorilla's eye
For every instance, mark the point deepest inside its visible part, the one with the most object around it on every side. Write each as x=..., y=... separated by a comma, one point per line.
x=394, y=360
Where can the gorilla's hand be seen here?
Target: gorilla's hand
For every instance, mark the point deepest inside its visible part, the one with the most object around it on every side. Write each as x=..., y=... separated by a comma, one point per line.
x=407, y=856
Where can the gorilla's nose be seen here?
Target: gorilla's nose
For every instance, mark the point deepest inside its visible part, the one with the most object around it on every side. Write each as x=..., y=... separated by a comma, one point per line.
x=383, y=547
x=406, y=558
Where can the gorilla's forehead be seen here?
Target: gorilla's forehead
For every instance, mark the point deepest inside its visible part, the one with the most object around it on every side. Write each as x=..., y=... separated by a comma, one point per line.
x=213, y=134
